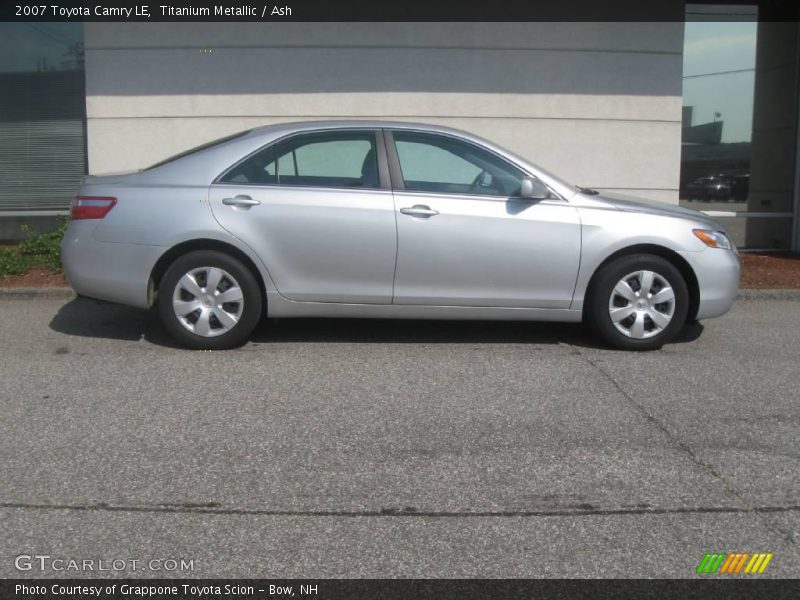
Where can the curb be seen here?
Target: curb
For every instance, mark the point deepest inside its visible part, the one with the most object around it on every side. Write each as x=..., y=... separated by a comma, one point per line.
x=27, y=293
x=23, y=293
x=779, y=294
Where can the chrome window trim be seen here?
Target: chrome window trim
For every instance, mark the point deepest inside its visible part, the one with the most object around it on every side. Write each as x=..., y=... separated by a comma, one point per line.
x=388, y=135
x=556, y=197
x=376, y=141
x=525, y=170
x=306, y=187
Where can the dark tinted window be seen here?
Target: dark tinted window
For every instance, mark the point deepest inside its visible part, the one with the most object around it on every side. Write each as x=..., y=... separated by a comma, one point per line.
x=436, y=163
x=333, y=159
x=42, y=115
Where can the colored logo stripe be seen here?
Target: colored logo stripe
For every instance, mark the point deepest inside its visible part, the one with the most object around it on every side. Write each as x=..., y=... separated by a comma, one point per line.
x=732, y=563
x=758, y=564
x=711, y=562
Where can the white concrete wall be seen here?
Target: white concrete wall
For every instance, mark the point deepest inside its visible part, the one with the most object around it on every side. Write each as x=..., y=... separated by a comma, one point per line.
x=598, y=103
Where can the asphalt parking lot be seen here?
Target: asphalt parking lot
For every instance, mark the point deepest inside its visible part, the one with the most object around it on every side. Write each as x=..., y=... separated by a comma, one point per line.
x=397, y=449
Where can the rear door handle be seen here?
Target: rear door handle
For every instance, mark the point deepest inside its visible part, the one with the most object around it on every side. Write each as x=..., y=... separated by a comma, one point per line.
x=241, y=201
x=419, y=210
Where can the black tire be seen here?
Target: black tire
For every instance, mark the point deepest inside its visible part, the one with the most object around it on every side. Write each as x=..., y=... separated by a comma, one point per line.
x=251, y=305
x=600, y=295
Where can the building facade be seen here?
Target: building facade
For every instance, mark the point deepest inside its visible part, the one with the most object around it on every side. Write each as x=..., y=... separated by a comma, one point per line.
x=601, y=104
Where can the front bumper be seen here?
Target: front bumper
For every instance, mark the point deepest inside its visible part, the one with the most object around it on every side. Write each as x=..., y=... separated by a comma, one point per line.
x=718, y=272
x=105, y=270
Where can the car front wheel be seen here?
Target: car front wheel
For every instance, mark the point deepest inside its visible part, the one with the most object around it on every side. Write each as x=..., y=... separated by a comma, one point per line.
x=209, y=300
x=638, y=302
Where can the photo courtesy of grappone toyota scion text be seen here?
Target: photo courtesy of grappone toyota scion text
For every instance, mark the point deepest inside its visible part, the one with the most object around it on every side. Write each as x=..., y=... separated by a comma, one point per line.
x=388, y=220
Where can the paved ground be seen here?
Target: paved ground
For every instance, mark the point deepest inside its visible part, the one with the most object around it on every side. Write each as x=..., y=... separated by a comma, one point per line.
x=403, y=449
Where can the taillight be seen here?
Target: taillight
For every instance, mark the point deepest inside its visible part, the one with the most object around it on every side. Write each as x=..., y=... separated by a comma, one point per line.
x=91, y=207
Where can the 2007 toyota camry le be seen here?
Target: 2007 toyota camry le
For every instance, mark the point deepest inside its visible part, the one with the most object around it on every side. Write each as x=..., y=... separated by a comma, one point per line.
x=387, y=220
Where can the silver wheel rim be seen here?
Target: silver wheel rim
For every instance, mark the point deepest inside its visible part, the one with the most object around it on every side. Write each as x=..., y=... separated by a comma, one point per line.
x=208, y=301
x=642, y=304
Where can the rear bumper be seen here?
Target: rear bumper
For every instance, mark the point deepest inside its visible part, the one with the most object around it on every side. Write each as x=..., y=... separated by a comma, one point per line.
x=718, y=272
x=105, y=270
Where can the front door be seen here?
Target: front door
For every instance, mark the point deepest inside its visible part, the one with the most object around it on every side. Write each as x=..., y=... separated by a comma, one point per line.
x=466, y=238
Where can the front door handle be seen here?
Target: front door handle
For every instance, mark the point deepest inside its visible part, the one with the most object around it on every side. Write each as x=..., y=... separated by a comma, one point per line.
x=419, y=210
x=241, y=201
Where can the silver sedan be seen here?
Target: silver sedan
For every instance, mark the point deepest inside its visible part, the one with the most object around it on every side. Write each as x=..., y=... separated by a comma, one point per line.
x=387, y=220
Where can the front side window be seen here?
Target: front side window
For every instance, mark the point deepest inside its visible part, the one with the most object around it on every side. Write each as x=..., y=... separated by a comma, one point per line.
x=335, y=159
x=437, y=163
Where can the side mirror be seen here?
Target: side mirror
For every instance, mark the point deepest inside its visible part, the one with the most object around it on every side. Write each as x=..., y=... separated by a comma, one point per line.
x=534, y=189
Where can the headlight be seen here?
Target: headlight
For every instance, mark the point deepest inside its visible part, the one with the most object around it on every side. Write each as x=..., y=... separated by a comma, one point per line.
x=713, y=239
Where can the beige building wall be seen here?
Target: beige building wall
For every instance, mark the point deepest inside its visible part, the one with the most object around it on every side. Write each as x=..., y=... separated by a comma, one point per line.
x=597, y=103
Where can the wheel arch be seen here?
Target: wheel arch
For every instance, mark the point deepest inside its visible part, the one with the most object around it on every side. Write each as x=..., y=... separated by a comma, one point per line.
x=166, y=259
x=667, y=254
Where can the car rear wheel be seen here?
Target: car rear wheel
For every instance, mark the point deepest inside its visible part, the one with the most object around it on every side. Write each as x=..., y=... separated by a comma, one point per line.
x=638, y=302
x=209, y=300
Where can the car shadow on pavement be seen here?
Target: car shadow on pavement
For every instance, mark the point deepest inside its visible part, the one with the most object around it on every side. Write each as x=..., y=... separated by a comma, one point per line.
x=85, y=317
x=415, y=331
x=93, y=318
x=401, y=331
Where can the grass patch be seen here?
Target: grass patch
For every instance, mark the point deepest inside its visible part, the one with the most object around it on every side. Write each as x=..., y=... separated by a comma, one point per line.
x=36, y=250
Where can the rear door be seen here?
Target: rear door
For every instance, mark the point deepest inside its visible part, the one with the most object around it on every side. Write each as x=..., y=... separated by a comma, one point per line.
x=317, y=208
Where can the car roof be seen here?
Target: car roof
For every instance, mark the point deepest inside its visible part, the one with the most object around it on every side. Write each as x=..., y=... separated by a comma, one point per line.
x=357, y=123
x=196, y=165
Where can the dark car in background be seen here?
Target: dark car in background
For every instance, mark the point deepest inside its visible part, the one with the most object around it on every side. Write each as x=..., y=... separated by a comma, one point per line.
x=722, y=188
x=710, y=187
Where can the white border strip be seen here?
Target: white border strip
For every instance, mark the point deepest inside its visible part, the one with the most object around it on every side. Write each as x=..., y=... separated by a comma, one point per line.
x=744, y=213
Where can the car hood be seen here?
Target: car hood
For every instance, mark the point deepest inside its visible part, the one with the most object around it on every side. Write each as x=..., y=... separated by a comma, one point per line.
x=652, y=207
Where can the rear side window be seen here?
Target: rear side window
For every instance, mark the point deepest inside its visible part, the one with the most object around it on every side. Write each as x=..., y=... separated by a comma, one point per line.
x=340, y=159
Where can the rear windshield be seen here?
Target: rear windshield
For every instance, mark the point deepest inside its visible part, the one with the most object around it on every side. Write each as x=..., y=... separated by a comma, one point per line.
x=199, y=149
